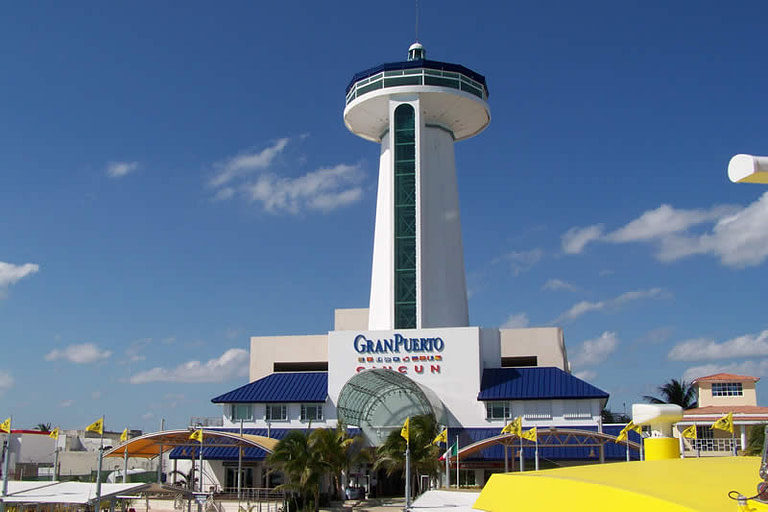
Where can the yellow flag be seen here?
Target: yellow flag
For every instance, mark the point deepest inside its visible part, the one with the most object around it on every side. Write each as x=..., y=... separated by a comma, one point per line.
x=442, y=437
x=124, y=436
x=625, y=431
x=197, y=435
x=6, y=426
x=404, y=430
x=54, y=433
x=689, y=433
x=724, y=423
x=97, y=426
x=530, y=434
x=514, y=427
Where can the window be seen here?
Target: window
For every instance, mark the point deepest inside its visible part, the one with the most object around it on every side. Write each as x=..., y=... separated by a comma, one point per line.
x=242, y=412
x=577, y=410
x=405, y=217
x=497, y=410
x=311, y=412
x=276, y=412
x=727, y=389
x=538, y=411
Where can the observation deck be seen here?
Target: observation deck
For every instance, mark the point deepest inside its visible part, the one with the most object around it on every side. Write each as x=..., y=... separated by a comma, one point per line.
x=452, y=97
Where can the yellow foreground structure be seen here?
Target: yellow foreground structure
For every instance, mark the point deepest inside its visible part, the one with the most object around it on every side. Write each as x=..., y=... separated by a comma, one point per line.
x=673, y=485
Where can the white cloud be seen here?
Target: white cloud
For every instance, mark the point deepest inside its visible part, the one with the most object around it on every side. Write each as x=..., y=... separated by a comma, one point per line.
x=521, y=261
x=11, y=274
x=6, y=381
x=583, y=307
x=665, y=221
x=323, y=190
x=516, y=321
x=752, y=368
x=120, y=169
x=134, y=351
x=557, y=284
x=596, y=351
x=84, y=353
x=246, y=162
x=585, y=375
x=749, y=345
x=738, y=236
x=147, y=415
x=95, y=395
x=575, y=239
x=66, y=403
x=232, y=363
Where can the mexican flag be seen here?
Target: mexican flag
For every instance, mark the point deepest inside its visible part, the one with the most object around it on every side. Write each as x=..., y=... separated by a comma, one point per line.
x=453, y=451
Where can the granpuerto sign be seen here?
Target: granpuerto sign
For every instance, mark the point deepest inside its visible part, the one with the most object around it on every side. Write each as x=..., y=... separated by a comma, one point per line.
x=422, y=354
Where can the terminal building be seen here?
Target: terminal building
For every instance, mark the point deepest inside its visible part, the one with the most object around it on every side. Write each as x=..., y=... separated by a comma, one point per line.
x=413, y=350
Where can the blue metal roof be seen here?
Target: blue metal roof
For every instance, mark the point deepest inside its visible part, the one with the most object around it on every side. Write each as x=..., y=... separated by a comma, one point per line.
x=280, y=388
x=423, y=63
x=534, y=383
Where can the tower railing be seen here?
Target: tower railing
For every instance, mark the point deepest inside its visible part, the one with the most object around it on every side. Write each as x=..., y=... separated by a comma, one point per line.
x=416, y=76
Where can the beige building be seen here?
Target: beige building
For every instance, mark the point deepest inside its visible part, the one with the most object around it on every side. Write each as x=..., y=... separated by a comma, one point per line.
x=719, y=395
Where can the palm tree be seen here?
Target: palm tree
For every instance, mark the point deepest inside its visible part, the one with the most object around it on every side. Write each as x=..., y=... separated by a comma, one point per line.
x=43, y=427
x=676, y=392
x=301, y=466
x=337, y=450
x=424, y=455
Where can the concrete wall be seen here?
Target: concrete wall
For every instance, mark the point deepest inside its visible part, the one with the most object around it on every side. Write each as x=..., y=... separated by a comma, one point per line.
x=266, y=350
x=749, y=397
x=443, y=287
x=350, y=319
x=546, y=343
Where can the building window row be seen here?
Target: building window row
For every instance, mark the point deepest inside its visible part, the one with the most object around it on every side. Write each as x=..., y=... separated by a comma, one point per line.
x=529, y=411
x=727, y=389
x=276, y=412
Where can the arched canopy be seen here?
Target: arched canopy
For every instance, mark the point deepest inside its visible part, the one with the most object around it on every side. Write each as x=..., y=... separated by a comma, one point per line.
x=551, y=437
x=379, y=400
x=153, y=444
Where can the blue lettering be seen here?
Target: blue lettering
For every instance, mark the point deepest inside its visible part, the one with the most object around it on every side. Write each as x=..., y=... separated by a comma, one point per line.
x=388, y=346
x=360, y=344
x=379, y=348
x=439, y=344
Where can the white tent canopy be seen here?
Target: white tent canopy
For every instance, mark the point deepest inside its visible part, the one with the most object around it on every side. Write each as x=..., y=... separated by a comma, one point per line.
x=68, y=493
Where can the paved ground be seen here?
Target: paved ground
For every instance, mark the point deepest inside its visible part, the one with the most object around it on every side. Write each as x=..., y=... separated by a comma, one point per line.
x=370, y=505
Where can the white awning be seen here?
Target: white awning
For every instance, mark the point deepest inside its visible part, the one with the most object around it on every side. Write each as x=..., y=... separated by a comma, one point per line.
x=72, y=493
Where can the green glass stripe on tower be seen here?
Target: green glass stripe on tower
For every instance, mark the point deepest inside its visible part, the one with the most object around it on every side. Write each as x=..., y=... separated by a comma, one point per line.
x=405, y=218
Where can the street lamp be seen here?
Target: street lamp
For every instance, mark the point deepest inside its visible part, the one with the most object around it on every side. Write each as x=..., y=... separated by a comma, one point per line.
x=748, y=169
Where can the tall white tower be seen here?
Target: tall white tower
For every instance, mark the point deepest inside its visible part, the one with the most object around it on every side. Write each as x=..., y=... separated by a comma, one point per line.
x=417, y=109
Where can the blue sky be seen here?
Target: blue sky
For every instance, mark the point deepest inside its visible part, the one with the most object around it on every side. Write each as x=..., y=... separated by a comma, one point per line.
x=176, y=177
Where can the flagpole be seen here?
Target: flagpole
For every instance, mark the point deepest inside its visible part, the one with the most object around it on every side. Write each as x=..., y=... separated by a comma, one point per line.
x=125, y=465
x=240, y=464
x=458, y=480
x=537, y=450
x=447, y=462
x=522, y=463
x=201, y=460
x=98, y=469
x=6, y=459
x=407, y=474
x=55, y=460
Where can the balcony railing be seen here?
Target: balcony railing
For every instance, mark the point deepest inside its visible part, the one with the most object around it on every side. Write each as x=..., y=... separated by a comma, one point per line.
x=418, y=76
x=206, y=421
x=713, y=445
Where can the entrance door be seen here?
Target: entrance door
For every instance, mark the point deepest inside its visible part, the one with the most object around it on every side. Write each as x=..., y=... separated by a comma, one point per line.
x=230, y=480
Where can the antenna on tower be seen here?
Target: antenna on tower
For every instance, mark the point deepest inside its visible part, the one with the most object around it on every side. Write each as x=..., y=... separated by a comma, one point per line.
x=417, y=21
